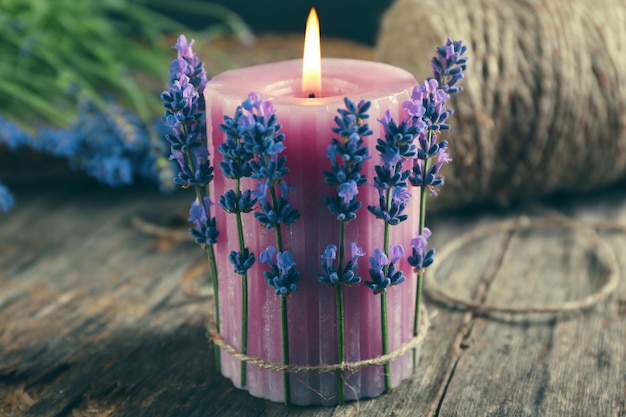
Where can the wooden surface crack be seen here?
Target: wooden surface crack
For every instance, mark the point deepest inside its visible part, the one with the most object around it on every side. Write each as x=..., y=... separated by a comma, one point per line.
x=463, y=340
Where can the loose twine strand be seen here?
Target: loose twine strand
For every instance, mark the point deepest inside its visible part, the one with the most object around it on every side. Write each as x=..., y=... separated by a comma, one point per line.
x=216, y=338
x=544, y=104
x=604, y=252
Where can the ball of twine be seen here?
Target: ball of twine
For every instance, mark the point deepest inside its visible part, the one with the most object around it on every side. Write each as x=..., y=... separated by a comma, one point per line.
x=544, y=105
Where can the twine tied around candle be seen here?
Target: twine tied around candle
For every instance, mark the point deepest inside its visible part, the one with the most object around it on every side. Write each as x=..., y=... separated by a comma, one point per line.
x=217, y=339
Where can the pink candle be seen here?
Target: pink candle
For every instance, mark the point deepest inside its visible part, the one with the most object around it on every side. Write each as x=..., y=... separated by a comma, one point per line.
x=307, y=124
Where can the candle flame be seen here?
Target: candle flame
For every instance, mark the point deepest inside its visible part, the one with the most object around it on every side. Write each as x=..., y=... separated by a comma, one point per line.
x=312, y=60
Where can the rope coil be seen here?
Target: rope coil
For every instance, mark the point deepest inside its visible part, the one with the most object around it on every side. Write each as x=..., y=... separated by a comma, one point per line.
x=604, y=252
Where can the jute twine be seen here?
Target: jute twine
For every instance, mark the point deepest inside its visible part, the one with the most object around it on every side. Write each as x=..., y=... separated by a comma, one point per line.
x=605, y=255
x=544, y=105
x=215, y=337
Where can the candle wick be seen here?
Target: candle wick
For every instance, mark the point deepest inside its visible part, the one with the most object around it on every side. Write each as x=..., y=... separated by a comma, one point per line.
x=311, y=95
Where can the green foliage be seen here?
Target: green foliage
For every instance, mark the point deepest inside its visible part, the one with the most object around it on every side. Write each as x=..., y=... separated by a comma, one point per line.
x=50, y=50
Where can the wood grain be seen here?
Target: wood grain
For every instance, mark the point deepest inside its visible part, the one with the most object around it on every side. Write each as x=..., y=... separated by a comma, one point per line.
x=99, y=319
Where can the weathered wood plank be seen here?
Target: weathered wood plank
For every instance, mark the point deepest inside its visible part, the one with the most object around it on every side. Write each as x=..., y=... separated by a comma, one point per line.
x=99, y=321
x=102, y=312
x=548, y=365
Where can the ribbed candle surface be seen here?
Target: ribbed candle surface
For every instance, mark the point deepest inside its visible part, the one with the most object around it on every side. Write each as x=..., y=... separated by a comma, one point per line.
x=307, y=124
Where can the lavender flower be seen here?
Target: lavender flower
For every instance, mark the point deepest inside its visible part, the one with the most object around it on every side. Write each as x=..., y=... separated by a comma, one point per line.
x=241, y=261
x=383, y=271
x=395, y=149
x=427, y=112
x=282, y=275
x=233, y=202
x=187, y=63
x=449, y=65
x=254, y=150
x=348, y=274
x=205, y=231
x=184, y=116
x=107, y=142
x=236, y=165
x=347, y=155
x=422, y=256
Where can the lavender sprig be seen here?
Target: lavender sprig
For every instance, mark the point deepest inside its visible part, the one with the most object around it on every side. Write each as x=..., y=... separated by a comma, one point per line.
x=236, y=166
x=427, y=112
x=184, y=115
x=347, y=155
x=396, y=148
x=105, y=141
x=262, y=138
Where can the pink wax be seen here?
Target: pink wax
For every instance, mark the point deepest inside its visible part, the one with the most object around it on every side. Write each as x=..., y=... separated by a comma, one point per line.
x=307, y=124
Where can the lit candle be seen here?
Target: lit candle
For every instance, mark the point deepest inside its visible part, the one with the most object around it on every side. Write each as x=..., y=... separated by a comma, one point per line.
x=306, y=123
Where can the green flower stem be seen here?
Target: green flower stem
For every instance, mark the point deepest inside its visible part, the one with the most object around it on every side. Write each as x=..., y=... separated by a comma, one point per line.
x=341, y=345
x=283, y=311
x=244, y=326
x=279, y=234
x=385, y=334
x=284, y=324
x=340, y=341
x=244, y=288
x=213, y=274
x=200, y=194
x=418, y=290
x=383, y=302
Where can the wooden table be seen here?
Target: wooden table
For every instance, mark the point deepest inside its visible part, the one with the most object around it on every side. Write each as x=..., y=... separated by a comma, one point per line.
x=99, y=318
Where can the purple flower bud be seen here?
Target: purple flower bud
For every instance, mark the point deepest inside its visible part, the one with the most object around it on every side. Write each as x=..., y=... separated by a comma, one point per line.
x=420, y=242
x=356, y=252
x=442, y=157
x=261, y=193
x=284, y=261
x=275, y=149
x=267, y=108
x=396, y=252
x=400, y=195
x=267, y=256
x=391, y=156
x=329, y=255
x=254, y=101
x=348, y=190
x=386, y=120
x=378, y=260
x=245, y=122
x=185, y=49
x=178, y=157
x=414, y=108
x=197, y=214
x=331, y=153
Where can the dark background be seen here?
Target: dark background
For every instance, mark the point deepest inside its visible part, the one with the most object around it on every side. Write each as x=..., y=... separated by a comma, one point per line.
x=356, y=20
